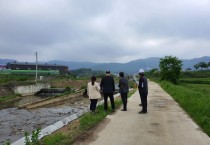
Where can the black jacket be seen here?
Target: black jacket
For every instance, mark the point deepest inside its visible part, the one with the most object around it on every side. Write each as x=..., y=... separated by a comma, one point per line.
x=107, y=84
x=123, y=85
x=143, y=85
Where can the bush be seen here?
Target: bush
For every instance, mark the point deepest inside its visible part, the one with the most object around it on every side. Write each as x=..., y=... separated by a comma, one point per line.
x=34, y=140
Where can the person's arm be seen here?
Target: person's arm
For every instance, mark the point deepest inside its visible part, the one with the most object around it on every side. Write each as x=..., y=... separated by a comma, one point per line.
x=139, y=83
x=113, y=84
x=101, y=84
x=88, y=90
x=119, y=85
x=145, y=84
x=98, y=87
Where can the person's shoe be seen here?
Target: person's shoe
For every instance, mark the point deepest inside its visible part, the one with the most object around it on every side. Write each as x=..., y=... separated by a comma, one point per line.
x=140, y=104
x=124, y=110
x=142, y=112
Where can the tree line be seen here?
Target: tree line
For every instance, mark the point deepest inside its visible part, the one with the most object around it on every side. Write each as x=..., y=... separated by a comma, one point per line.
x=171, y=68
x=202, y=65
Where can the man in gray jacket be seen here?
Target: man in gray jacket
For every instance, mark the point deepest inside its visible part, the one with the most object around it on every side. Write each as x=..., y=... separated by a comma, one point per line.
x=143, y=91
x=123, y=89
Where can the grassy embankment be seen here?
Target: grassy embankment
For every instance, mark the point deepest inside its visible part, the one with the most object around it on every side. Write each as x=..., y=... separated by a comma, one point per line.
x=193, y=95
x=79, y=126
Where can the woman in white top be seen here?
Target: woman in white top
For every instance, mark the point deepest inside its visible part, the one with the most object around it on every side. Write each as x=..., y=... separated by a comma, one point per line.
x=93, y=91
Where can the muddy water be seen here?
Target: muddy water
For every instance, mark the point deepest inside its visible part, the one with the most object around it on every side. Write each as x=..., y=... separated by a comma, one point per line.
x=14, y=122
x=19, y=101
x=28, y=99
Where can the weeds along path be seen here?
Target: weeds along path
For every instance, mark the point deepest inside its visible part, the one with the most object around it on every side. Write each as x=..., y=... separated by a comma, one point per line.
x=165, y=124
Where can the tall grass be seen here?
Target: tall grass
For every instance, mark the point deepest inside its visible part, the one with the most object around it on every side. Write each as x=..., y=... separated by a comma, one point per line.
x=194, y=99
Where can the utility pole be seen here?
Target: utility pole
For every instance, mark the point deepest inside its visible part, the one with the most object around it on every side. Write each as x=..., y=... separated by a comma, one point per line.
x=36, y=67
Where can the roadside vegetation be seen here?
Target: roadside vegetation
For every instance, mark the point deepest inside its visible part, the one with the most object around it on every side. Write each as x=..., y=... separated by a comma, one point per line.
x=191, y=91
x=194, y=98
x=79, y=127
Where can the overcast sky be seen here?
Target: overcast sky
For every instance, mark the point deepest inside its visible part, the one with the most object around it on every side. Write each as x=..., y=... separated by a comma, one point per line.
x=103, y=30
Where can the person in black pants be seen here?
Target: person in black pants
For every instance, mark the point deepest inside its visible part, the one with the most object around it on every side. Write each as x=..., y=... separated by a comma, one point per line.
x=143, y=91
x=108, y=88
x=123, y=89
x=93, y=91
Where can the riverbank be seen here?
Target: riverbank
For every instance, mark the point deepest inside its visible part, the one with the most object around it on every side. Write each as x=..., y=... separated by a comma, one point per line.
x=80, y=126
x=15, y=122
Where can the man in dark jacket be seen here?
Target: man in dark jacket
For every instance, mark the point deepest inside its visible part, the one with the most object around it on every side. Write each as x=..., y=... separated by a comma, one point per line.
x=108, y=88
x=143, y=91
x=124, y=89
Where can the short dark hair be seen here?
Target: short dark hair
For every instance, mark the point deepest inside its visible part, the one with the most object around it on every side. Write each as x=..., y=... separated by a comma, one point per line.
x=121, y=74
x=107, y=72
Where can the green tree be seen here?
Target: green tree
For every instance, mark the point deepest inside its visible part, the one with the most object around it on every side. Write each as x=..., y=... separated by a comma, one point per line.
x=208, y=64
x=153, y=72
x=196, y=66
x=203, y=65
x=170, y=68
x=188, y=69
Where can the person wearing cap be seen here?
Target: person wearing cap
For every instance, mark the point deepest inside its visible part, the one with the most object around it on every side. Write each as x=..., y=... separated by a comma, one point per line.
x=108, y=89
x=123, y=89
x=143, y=91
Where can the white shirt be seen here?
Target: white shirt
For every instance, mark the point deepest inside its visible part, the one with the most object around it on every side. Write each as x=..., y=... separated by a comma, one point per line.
x=93, y=91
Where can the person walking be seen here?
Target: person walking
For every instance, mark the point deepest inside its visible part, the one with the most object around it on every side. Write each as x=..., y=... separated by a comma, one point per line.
x=143, y=91
x=123, y=89
x=93, y=91
x=108, y=87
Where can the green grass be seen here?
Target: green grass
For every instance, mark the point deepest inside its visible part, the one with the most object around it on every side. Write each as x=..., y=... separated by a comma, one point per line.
x=54, y=139
x=86, y=122
x=194, y=98
x=196, y=74
x=195, y=80
x=3, y=99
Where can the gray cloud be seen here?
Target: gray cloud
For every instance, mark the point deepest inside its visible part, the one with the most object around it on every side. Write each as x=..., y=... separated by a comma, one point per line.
x=103, y=31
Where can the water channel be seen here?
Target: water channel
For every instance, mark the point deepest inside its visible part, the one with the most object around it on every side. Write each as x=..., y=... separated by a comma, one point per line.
x=15, y=122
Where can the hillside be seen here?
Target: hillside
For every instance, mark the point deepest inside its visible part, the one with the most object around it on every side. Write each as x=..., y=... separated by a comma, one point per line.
x=130, y=67
x=5, y=61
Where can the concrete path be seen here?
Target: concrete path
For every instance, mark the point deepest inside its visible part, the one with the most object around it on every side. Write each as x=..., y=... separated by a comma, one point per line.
x=164, y=124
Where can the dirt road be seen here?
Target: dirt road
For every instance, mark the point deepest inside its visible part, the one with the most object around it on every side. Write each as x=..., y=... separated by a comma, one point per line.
x=164, y=124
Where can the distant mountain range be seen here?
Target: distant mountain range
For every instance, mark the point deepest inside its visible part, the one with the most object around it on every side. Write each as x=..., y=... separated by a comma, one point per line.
x=5, y=61
x=130, y=67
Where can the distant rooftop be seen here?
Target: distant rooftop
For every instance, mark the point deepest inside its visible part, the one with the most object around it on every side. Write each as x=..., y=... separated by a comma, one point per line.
x=31, y=63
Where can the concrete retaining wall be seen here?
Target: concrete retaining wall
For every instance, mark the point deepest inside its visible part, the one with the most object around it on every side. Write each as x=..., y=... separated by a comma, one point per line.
x=50, y=129
x=30, y=89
